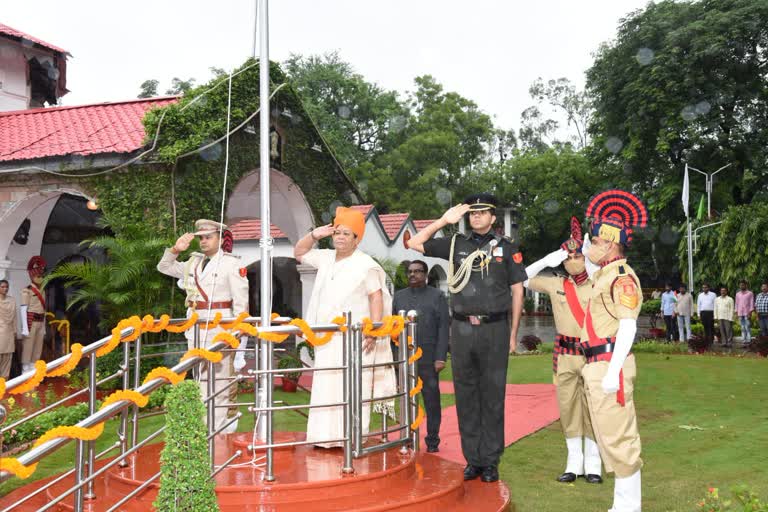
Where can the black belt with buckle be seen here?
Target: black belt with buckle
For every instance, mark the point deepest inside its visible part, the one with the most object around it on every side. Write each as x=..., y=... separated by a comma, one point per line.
x=600, y=349
x=483, y=319
x=570, y=345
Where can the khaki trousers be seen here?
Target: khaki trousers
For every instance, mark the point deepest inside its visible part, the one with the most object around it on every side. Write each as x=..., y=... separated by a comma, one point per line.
x=615, y=425
x=5, y=365
x=223, y=370
x=32, y=345
x=571, y=397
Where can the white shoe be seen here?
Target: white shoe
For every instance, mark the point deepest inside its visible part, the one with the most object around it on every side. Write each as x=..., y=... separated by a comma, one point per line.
x=575, y=462
x=592, y=463
x=627, y=494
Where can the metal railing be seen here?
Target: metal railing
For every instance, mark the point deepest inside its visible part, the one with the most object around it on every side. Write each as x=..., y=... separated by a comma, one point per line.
x=353, y=399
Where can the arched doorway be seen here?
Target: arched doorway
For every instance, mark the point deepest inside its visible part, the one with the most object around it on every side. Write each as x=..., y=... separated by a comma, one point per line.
x=286, y=287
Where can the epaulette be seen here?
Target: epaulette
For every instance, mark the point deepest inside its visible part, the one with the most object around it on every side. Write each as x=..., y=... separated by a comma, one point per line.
x=231, y=255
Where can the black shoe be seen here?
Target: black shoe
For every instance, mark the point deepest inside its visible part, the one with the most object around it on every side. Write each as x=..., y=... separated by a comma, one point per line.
x=490, y=474
x=593, y=479
x=567, y=478
x=433, y=449
x=471, y=472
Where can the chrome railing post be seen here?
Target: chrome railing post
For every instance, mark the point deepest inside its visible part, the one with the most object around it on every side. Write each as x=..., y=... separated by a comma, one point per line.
x=79, y=463
x=357, y=386
x=211, y=410
x=405, y=409
x=136, y=384
x=91, y=446
x=122, y=433
x=269, y=475
x=413, y=378
x=347, y=399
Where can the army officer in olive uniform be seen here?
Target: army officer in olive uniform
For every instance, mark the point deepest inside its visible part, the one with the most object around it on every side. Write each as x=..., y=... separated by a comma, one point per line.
x=486, y=275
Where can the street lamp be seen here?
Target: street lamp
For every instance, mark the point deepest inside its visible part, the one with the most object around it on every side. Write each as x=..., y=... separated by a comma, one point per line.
x=709, y=185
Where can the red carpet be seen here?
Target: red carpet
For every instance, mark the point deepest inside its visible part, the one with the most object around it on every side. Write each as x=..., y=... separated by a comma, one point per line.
x=528, y=408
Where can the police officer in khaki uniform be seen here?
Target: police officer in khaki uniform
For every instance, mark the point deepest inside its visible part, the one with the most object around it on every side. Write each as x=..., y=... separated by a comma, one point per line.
x=32, y=309
x=214, y=283
x=609, y=330
x=486, y=275
x=569, y=296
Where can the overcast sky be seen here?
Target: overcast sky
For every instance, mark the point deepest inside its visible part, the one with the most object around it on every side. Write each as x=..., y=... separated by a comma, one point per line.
x=489, y=51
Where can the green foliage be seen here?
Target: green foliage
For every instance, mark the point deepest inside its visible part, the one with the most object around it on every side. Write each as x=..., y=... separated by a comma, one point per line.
x=684, y=82
x=127, y=284
x=649, y=346
x=148, y=89
x=563, y=97
x=528, y=304
x=111, y=363
x=34, y=428
x=651, y=307
x=734, y=250
x=185, y=485
x=743, y=500
x=288, y=361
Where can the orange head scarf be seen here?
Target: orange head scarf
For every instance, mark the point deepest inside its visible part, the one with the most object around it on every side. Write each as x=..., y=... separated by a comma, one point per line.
x=353, y=219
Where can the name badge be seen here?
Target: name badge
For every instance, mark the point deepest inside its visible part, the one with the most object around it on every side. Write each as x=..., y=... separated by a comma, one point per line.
x=498, y=251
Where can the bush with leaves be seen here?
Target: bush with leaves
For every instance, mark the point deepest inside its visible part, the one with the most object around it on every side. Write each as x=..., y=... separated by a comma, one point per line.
x=185, y=465
x=744, y=500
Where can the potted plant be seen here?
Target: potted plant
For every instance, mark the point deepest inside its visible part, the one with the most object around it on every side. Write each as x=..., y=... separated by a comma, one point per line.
x=698, y=344
x=290, y=380
x=530, y=342
x=759, y=345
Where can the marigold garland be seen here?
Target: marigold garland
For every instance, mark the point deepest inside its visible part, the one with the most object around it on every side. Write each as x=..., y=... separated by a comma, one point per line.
x=214, y=323
x=227, y=338
x=37, y=378
x=126, y=394
x=17, y=468
x=74, y=357
x=310, y=336
x=213, y=357
x=416, y=356
x=398, y=324
x=410, y=341
x=73, y=432
x=417, y=388
x=137, y=325
x=273, y=336
x=246, y=329
x=192, y=320
x=232, y=325
x=418, y=420
x=341, y=322
x=165, y=373
x=384, y=330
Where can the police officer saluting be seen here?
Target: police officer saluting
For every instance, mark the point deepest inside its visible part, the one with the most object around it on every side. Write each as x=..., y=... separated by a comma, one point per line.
x=485, y=279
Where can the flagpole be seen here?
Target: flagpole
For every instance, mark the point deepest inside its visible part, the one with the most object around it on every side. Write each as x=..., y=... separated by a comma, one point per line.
x=686, y=195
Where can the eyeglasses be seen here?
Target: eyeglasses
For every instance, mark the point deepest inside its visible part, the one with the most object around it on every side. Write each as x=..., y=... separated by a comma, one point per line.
x=416, y=271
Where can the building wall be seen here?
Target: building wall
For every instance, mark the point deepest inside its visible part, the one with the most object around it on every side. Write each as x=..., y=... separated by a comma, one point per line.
x=15, y=92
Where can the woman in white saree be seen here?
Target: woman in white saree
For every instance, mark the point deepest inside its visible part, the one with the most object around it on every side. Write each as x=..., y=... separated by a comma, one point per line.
x=347, y=280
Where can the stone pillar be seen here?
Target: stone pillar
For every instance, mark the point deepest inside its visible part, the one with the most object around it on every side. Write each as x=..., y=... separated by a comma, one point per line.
x=5, y=266
x=307, y=274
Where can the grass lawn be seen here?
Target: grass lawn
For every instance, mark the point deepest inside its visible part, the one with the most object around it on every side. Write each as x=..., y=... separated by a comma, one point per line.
x=720, y=395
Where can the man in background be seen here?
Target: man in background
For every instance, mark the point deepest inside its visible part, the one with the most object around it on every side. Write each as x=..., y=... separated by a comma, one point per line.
x=432, y=336
x=684, y=311
x=761, y=306
x=705, y=306
x=745, y=305
x=668, y=302
x=724, y=316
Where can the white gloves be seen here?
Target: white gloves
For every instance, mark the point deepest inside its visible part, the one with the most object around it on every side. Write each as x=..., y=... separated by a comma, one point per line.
x=551, y=260
x=625, y=336
x=24, y=325
x=239, y=362
x=591, y=267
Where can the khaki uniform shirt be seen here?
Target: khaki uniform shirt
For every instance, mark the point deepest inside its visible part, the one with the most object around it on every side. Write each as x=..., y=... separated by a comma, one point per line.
x=9, y=321
x=28, y=298
x=552, y=285
x=615, y=296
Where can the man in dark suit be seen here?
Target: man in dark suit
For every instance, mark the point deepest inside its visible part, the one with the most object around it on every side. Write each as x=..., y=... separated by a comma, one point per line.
x=432, y=336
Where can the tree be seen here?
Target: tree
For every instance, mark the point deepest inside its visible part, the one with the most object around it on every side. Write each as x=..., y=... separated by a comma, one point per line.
x=148, y=89
x=179, y=86
x=442, y=148
x=354, y=115
x=127, y=284
x=684, y=82
x=562, y=96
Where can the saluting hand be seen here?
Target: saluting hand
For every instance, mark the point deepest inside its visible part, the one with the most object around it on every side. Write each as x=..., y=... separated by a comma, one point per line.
x=182, y=244
x=454, y=215
x=322, y=231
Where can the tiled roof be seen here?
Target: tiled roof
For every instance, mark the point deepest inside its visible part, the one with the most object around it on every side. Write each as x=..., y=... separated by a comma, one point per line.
x=392, y=223
x=250, y=229
x=365, y=209
x=82, y=130
x=7, y=31
x=421, y=224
